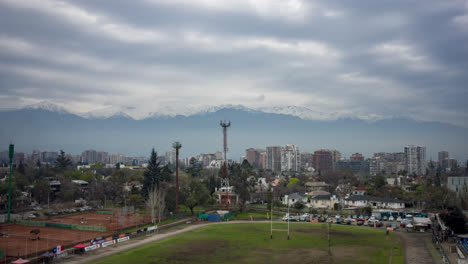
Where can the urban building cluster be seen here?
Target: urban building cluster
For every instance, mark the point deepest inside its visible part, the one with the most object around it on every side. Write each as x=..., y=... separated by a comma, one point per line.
x=276, y=159
x=86, y=157
x=288, y=158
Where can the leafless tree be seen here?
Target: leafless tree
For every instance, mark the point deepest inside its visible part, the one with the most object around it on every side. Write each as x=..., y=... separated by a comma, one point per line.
x=156, y=203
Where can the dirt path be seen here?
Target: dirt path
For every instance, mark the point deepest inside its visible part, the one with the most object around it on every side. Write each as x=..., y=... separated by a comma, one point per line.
x=133, y=243
x=416, y=251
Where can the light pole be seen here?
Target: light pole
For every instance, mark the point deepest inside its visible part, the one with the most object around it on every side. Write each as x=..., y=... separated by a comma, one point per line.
x=177, y=146
x=11, y=153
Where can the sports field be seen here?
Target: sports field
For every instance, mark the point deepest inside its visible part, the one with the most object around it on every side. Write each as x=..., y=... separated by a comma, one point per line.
x=251, y=243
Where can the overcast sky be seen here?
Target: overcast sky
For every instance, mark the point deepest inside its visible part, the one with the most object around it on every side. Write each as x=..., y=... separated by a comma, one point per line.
x=368, y=59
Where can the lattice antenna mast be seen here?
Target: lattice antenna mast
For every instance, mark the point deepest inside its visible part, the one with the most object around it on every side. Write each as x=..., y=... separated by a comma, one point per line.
x=225, y=173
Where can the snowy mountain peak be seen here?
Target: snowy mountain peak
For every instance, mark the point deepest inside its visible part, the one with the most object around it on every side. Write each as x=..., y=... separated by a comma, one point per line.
x=48, y=106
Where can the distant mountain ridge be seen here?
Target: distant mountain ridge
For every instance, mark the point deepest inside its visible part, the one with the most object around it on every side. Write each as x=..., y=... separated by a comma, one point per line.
x=47, y=126
x=103, y=113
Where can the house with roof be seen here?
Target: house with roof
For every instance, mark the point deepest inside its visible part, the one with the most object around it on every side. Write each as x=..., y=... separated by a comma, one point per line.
x=327, y=201
x=294, y=198
x=360, y=190
x=359, y=201
x=312, y=186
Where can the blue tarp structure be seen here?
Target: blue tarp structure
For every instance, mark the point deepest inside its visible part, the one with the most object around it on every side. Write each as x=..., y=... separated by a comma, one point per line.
x=214, y=217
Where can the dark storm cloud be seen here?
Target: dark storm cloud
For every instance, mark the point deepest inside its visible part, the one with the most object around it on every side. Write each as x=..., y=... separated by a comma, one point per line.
x=370, y=59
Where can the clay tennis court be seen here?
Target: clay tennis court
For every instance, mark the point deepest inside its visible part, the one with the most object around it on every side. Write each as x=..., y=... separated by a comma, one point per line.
x=111, y=222
x=18, y=241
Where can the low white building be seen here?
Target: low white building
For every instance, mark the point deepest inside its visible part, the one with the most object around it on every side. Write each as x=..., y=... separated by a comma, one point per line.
x=293, y=198
x=324, y=201
x=359, y=201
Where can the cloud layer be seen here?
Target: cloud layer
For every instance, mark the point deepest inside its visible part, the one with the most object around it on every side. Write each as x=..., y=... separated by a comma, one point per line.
x=368, y=60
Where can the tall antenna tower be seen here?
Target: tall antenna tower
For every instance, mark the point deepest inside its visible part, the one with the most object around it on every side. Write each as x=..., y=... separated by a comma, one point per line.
x=225, y=196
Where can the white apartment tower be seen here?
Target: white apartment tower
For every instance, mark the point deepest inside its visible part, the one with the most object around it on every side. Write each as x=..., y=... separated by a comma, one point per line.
x=415, y=158
x=290, y=158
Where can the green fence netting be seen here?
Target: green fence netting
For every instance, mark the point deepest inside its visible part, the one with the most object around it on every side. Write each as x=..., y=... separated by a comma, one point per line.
x=62, y=226
x=30, y=223
x=105, y=212
x=89, y=228
x=226, y=216
x=203, y=216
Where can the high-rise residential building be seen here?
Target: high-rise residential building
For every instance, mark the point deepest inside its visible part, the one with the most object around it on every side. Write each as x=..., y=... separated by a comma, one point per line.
x=170, y=157
x=415, y=157
x=263, y=160
x=102, y=156
x=323, y=160
x=290, y=158
x=376, y=165
x=449, y=164
x=35, y=156
x=49, y=156
x=118, y=158
x=357, y=157
x=394, y=167
x=219, y=155
x=253, y=157
x=307, y=160
x=205, y=159
x=357, y=166
x=336, y=155
x=443, y=155
x=274, y=158
x=89, y=156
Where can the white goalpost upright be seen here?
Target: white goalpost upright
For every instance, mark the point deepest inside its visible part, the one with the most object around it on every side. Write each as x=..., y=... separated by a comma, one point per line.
x=271, y=221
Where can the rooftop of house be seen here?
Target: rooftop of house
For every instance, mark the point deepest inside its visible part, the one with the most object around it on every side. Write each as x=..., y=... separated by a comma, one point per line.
x=361, y=188
x=316, y=184
x=323, y=197
x=297, y=196
x=373, y=199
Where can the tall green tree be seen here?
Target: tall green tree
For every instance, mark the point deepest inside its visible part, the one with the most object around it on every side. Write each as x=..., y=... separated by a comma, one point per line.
x=195, y=194
x=41, y=191
x=239, y=180
x=154, y=174
x=62, y=162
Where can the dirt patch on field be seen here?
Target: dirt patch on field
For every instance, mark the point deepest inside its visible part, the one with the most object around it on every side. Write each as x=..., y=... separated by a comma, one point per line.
x=350, y=254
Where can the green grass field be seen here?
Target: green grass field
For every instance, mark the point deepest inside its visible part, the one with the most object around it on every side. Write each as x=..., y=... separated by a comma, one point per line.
x=251, y=243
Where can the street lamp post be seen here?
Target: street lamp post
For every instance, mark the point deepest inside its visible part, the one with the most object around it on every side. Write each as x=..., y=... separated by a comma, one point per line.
x=177, y=146
x=11, y=154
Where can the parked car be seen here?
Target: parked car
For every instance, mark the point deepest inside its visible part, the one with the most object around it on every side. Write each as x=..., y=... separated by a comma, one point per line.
x=391, y=218
x=31, y=216
x=408, y=216
x=377, y=223
x=404, y=223
x=399, y=219
x=385, y=218
x=305, y=217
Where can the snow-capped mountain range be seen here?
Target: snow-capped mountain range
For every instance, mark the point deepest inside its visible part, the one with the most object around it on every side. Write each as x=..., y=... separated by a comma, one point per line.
x=170, y=111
